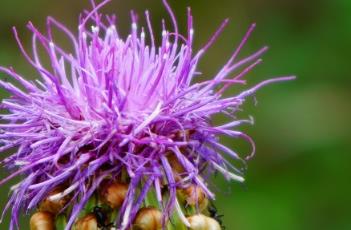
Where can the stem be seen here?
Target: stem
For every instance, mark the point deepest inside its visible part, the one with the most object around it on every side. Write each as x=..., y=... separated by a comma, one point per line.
x=61, y=222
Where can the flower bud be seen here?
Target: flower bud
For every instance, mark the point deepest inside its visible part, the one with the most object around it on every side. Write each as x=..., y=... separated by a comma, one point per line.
x=114, y=194
x=42, y=221
x=202, y=222
x=148, y=219
x=87, y=222
x=54, y=206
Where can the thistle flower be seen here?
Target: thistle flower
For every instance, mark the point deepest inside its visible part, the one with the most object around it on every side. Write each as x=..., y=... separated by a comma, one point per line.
x=120, y=109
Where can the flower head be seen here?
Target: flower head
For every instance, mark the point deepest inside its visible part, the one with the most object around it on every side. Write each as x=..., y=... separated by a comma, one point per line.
x=120, y=110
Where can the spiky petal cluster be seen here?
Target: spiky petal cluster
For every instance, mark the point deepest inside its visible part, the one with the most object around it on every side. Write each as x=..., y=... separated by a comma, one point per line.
x=118, y=107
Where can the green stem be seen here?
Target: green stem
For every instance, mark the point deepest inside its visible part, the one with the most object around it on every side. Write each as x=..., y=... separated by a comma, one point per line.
x=61, y=222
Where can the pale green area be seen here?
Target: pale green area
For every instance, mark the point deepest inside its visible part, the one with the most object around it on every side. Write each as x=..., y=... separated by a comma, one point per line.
x=300, y=177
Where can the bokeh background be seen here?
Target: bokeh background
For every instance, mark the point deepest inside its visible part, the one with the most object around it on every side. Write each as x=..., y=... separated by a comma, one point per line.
x=300, y=177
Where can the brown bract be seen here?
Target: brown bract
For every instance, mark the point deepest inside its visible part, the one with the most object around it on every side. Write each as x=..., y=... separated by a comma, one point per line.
x=114, y=194
x=194, y=195
x=177, y=168
x=148, y=219
x=42, y=221
x=87, y=222
x=202, y=222
x=54, y=206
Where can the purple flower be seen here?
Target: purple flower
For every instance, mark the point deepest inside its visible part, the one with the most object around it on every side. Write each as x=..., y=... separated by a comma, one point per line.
x=120, y=108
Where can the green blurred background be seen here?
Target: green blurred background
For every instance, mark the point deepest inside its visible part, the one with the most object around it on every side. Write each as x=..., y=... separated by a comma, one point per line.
x=300, y=177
